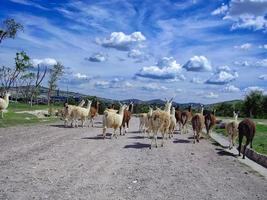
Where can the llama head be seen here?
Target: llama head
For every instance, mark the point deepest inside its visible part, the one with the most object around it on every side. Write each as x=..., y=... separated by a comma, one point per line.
x=235, y=115
x=168, y=105
x=7, y=94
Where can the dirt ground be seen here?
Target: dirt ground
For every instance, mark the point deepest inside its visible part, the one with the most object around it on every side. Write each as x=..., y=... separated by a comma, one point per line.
x=53, y=162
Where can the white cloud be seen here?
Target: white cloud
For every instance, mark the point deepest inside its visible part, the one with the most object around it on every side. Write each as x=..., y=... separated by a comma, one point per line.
x=166, y=69
x=263, y=46
x=179, y=90
x=197, y=80
x=263, y=77
x=121, y=41
x=250, y=22
x=97, y=57
x=80, y=76
x=198, y=64
x=138, y=55
x=222, y=77
x=245, y=46
x=29, y=3
x=242, y=63
x=45, y=61
x=231, y=89
x=261, y=63
x=245, y=14
x=135, y=53
x=102, y=84
x=253, y=88
x=118, y=83
x=211, y=95
x=221, y=10
x=154, y=87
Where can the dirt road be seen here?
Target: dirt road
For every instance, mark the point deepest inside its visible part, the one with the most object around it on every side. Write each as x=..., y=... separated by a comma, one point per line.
x=53, y=162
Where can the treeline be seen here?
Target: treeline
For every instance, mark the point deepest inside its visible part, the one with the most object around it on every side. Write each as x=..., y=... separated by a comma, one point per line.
x=254, y=106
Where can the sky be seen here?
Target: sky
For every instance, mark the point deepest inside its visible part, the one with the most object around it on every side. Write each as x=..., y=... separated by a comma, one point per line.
x=202, y=51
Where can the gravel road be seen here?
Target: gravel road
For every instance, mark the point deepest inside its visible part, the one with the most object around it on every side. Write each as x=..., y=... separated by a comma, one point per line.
x=53, y=162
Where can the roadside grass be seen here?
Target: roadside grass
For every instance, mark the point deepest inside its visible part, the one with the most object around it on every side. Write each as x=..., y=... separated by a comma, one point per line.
x=259, y=141
x=11, y=118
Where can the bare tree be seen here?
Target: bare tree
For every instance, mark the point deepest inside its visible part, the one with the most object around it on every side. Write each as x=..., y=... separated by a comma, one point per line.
x=39, y=77
x=10, y=29
x=55, y=73
x=8, y=76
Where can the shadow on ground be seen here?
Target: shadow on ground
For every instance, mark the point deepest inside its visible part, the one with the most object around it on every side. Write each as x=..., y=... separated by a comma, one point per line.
x=98, y=137
x=136, y=137
x=59, y=126
x=181, y=141
x=223, y=152
x=137, y=145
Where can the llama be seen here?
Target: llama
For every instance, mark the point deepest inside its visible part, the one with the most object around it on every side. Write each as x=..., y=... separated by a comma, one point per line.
x=210, y=121
x=145, y=122
x=246, y=128
x=113, y=120
x=160, y=122
x=126, y=118
x=94, y=112
x=186, y=117
x=198, y=124
x=4, y=102
x=172, y=123
x=64, y=113
x=232, y=130
x=80, y=113
x=178, y=117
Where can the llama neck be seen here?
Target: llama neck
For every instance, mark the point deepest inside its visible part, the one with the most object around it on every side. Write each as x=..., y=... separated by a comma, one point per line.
x=235, y=118
x=97, y=107
x=121, y=110
x=202, y=109
x=6, y=98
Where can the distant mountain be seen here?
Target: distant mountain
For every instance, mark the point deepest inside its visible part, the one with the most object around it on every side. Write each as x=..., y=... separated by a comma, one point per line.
x=158, y=102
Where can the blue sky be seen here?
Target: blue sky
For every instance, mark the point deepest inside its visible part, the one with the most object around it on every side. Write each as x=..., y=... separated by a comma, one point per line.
x=197, y=50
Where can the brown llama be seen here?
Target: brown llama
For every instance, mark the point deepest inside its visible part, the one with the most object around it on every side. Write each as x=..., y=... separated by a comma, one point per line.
x=246, y=128
x=94, y=112
x=197, y=125
x=126, y=118
x=210, y=121
x=178, y=117
x=186, y=117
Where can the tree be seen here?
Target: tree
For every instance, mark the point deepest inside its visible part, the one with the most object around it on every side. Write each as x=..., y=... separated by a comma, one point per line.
x=10, y=29
x=39, y=77
x=8, y=75
x=253, y=103
x=54, y=75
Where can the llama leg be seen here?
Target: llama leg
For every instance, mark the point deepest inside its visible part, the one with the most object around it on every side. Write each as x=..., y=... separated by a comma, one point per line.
x=230, y=141
x=240, y=144
x=120, y=129
x=151, y=142
x=104, y=132
x=162, y=141
x=198, y=136
x=247, y=142
x=251, y=142
x=92, y=121
x=194, y=137
x=127, y=127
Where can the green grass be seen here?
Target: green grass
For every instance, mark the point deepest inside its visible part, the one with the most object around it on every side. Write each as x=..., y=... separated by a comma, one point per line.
x=260, y=139
x=11, y=118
